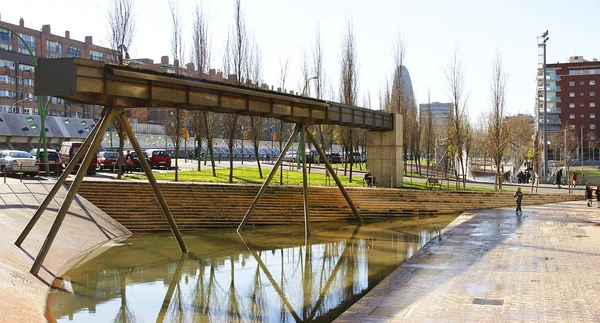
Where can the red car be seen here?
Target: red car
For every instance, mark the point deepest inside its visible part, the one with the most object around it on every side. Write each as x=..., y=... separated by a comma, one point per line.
x=107, y=160
x=54, y=163
x=158, y=158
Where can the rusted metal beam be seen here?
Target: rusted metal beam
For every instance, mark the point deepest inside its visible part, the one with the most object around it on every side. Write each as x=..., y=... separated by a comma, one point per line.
x=89, y=155
x=61, y=181
x=334, y=175
x=263, y=188
x=93, y=82
x=144, y=163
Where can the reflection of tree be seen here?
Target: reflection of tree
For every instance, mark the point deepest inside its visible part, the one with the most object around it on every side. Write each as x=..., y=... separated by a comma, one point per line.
x=175, y=311
x=234, y=308
x=125, y=313
x=258, y=300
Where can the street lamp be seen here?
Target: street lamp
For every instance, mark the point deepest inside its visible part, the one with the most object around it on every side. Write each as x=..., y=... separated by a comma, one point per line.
x=301, y=134
x=542, y=43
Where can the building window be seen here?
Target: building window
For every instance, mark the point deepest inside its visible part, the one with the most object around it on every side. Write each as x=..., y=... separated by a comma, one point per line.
x=592, y=126
x=53, y=46
x=95, y=56
x=29, y=40
x=592, y=93
x=4, y=79
x=571, y=126
x=581, y=93
x=26, y=68
x=5, y=46
x=57, y=101
x=51, y=55
x=592, y=82
x=572, y=94
x=28, y=82
x=592, y=116
x=5, y=40
x=592, y=104
x=73, y=51
x=571, y=105
x=571, y=116
x=5, y=94
x=572, y=83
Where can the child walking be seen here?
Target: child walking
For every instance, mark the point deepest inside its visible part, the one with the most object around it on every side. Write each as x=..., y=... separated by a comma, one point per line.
x=598, y=196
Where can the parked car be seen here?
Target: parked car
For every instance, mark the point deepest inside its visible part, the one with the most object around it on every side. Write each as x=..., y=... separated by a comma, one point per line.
x=54, y=163
x=158, y=158
x=334, y=158
x=16, y=161
x=67, y=151
x=107, y=160
x=290, y=156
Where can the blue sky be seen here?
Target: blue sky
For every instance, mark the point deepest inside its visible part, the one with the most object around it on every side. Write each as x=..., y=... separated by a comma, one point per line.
x=432, y=29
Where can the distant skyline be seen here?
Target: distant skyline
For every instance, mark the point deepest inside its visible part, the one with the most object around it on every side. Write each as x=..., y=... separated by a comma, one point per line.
x=284, y=29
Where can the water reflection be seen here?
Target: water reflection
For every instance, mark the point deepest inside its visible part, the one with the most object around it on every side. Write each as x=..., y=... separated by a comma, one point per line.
x=265, y=275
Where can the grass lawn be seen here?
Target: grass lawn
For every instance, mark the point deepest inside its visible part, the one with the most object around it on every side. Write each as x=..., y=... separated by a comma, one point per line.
x=251, y=175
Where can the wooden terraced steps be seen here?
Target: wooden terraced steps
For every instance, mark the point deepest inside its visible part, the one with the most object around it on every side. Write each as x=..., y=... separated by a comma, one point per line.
x=202, y=206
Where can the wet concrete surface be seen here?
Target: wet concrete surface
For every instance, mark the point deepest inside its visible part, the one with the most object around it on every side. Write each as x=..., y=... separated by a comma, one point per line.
x=494, y=266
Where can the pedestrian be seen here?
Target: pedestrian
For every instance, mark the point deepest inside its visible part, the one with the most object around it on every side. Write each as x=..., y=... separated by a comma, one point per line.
x=588, y=194
x=518, y=198
x=598, y=196
x=574, y=178
x=369, y=178
x=520, y=177
x=129, y=162
x=558, y=177
x=532, y=177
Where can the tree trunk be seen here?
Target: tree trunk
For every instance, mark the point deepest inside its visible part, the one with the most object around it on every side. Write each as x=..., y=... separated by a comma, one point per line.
x=351, y=161
x=230, y=144
x=199, y=154
x=212, y=157
x=121, y=157
x=256, y=143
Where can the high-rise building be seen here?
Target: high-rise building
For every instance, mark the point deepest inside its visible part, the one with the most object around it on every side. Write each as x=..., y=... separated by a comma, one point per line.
x=17, y=70
x=572, y=94
x=406, y=85
x=440, y=113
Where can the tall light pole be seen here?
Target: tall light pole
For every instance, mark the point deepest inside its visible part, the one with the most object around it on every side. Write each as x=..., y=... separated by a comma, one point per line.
x=301, y=134
x=542, y=43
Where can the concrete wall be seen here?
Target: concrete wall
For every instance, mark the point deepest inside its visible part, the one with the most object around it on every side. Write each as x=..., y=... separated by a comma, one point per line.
x=384, y=155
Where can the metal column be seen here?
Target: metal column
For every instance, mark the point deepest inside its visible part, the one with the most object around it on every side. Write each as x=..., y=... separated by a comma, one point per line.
x=305, y=185
x=144, y=163
x=337, y=180
x=269, y=178
x=89, y=155
x=61, y=181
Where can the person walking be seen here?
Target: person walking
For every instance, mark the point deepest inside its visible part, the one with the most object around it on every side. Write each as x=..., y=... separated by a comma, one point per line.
x=558, y=177
x=574, y=178
x=518, y=198
x=588, y=194
x=598, y=196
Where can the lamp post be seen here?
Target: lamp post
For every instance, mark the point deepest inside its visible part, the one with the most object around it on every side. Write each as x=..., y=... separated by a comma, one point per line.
x=301, y=134
x=42, y=109
x=542, y=43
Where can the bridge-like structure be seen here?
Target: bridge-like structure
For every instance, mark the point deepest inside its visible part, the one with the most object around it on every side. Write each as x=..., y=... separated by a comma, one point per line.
x=119, y=87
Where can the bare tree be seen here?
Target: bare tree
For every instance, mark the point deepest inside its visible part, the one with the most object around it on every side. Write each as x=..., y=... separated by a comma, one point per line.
x=398, y=99
x=324, y=132
x=498, y=133
x=456, y=86
x=283, y=128
x=201, y=55
x=427, y=140
x=121, y=25
x=256, y=123
x=177, y=52
x=236, y=62
x=349, y=84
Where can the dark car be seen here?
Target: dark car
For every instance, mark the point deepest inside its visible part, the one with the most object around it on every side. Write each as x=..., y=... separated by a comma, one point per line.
x=334, y=158
x=54, y=163
x=157, y=158
x=107, y=160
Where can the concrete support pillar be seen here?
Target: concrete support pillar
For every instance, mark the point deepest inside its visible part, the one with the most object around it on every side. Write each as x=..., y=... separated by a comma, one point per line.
x=385, y=155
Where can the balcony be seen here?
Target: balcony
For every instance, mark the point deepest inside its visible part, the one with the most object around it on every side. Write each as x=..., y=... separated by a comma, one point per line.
x=549, y=89
x=553, y=99
x=550, y=77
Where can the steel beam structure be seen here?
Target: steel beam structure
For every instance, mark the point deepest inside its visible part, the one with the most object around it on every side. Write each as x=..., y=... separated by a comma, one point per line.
x=98, y=83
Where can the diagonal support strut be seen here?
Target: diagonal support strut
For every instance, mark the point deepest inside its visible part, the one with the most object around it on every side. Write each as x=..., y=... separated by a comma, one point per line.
x=263, y=188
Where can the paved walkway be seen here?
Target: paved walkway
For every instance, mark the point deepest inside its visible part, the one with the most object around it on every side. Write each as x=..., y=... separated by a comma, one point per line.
x=492, y=266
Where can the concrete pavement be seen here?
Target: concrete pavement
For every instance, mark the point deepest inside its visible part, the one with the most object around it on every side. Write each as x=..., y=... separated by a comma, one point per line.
x=492, y=266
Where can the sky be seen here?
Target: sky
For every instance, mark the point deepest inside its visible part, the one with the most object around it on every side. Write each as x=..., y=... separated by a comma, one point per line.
x=432, y=29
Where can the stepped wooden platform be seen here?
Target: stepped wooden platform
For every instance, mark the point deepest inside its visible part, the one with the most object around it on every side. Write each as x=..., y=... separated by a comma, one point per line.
x=202, y=206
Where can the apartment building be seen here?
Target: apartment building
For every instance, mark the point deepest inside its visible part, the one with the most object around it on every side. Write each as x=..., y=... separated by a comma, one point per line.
x=572, y=97
x=17, y=70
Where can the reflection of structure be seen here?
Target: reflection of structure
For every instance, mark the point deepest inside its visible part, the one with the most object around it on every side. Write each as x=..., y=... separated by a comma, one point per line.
x=309, y=280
